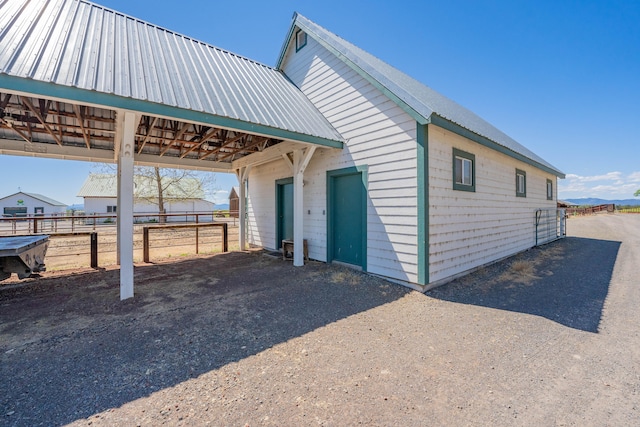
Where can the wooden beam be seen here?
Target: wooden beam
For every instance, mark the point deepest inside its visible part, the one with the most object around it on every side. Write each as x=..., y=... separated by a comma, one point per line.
x=27, y=103
x=224, y=145
x=176, y=137
x=204, y=139
x=18, y=131
x=246, y=147
x=79, y=110
x=5, y=101
x=148, y=135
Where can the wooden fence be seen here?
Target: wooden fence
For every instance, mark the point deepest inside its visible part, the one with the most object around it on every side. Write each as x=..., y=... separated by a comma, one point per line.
x=590, y=210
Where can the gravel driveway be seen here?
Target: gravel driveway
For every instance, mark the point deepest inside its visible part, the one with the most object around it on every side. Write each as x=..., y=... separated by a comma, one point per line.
x=549, y=337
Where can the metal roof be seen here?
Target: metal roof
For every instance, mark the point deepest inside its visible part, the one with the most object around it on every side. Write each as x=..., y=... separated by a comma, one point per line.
x=419, y=100
x=106, y=185
x=40, y=197
x=79, y=44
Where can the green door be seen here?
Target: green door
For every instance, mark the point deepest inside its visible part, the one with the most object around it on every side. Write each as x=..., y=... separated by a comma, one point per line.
x=347, y=217
x=284, y=203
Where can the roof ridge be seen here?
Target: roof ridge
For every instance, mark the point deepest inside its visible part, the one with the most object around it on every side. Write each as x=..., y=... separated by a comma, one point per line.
x=423, y=103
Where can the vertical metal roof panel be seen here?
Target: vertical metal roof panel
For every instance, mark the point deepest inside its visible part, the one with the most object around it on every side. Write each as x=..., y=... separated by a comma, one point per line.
x=80, y=44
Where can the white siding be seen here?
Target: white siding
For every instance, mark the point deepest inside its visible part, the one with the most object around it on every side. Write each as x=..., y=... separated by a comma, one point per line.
x=379, y=135
x=469, y=229
x=30, y=203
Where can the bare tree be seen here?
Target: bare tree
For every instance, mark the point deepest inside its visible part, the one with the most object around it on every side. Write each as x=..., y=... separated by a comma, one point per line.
x=155, y=185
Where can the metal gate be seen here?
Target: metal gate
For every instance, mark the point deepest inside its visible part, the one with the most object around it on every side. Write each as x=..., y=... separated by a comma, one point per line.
x=550, y=225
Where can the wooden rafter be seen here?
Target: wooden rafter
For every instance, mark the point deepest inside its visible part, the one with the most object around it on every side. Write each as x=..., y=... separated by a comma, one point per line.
x=176, y=137
x=5, y=101
x=27, y=103
x=16, y=129
x=258, y=141
x=80, y=110
x=225, y=144
x=148, y=135
x=210, y=133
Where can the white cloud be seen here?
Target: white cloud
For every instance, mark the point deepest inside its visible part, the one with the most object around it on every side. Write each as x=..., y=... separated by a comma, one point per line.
x=611, y=176
x=221, y=197
x=611, y=185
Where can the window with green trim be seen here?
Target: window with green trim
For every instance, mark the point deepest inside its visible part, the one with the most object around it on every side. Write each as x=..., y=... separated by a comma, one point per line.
x=464, y=171
x=549, y=189
x=521, y=183
x=301, y=40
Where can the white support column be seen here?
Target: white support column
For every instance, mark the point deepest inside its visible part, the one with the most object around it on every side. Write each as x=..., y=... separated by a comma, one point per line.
x=243, y=177
x=125, y=202
x=300, y=161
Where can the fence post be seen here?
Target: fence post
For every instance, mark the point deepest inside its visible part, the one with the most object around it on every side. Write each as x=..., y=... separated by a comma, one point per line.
x=225, y=239
x=35, y=225
x=94, y=250
x=197, y=235
x=145, y=244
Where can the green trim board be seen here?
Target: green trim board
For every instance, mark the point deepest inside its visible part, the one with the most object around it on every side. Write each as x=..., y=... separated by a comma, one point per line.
x=549, y=189
x=459, y=154
x=280, y=183
x=363, y=171
x=422, y=147
x=522, y=193
x=457, y=129
x=108, y=100
x=301, y=39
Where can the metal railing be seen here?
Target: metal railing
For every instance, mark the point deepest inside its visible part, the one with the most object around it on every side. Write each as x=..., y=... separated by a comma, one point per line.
x=33, y=224
x=550, y=225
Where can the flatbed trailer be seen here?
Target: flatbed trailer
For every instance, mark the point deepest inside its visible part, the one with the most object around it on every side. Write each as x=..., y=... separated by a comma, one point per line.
x=23, y=255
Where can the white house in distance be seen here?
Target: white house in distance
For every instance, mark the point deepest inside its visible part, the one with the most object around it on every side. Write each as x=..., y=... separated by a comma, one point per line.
x=332, y=145
x=100, y=195
x=30, y=204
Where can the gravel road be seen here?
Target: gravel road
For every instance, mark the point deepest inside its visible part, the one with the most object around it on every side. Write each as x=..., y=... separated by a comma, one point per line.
x=549, y=337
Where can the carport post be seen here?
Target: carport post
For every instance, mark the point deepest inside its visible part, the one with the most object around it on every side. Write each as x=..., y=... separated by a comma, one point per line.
x=127, y=123
x=243, y=177
x=300, y=161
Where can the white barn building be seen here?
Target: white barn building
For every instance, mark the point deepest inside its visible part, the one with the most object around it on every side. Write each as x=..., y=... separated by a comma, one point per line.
x=30, y=204
x=373, y=168
x=100, y=194
x=422, y=191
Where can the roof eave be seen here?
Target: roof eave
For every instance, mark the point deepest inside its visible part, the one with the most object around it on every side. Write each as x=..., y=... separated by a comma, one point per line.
x=109, y=100
x=482, y=140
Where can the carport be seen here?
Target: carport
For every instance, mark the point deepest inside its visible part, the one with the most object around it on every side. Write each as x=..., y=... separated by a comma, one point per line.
x=82, y=82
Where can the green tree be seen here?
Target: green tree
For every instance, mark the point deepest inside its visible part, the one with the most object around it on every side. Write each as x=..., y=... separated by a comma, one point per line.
x=637, y=193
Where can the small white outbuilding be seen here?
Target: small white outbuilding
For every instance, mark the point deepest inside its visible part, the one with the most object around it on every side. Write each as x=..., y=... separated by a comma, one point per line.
x=30, y=204
x=100, y=195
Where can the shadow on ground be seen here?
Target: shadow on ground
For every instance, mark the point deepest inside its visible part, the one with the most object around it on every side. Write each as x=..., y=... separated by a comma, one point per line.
x=565, y=281
x=69, y=348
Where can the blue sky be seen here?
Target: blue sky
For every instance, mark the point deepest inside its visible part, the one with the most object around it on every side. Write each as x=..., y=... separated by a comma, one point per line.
x=560, y=77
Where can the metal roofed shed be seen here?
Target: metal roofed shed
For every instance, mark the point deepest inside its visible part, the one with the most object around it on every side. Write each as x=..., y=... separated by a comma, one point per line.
x=92, y=55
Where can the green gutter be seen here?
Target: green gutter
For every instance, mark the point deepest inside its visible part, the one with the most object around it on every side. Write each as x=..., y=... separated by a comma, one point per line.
x=74, y=94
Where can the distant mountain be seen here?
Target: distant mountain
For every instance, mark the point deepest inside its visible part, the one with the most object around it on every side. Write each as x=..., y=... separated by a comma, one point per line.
x=221, y=207
x=594, y=201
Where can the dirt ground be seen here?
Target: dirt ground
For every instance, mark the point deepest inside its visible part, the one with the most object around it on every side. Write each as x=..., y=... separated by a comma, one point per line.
x=549, y=337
